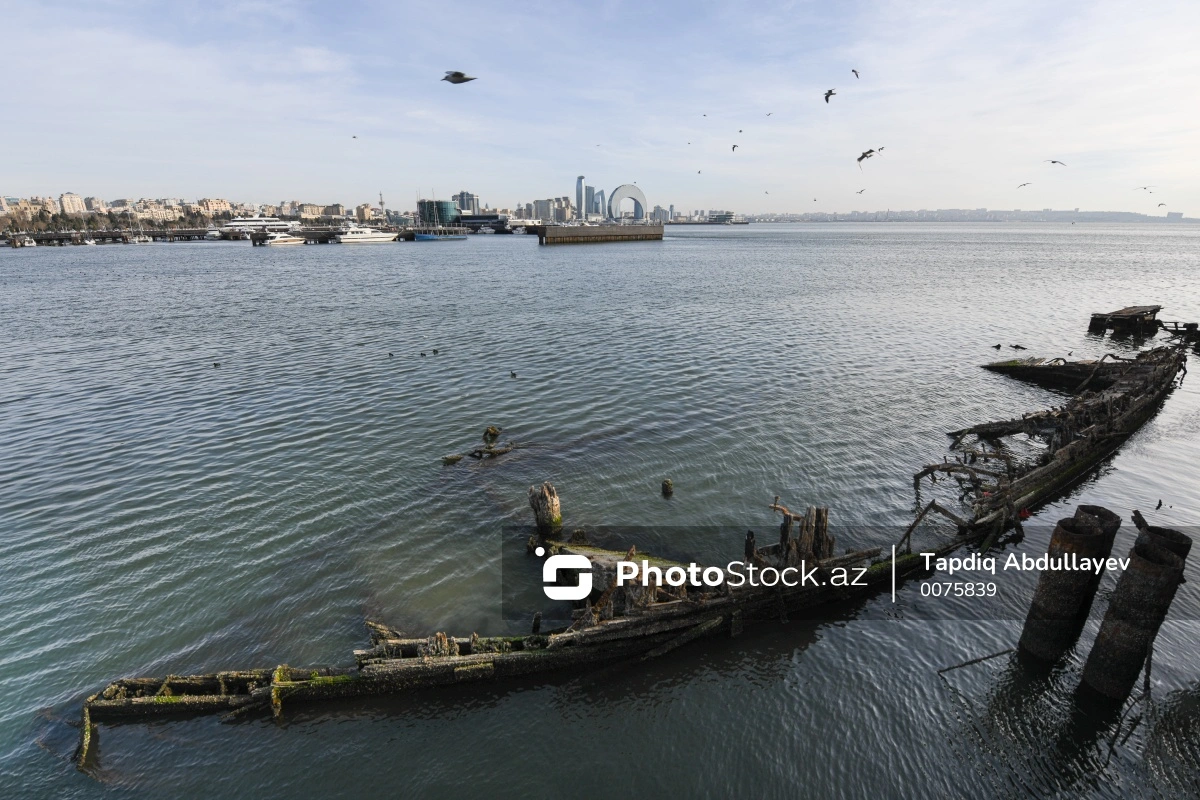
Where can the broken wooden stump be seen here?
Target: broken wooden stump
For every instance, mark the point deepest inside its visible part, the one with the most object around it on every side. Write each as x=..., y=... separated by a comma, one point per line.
x=1137, y=610
x=546, y=512
x=1064, y=596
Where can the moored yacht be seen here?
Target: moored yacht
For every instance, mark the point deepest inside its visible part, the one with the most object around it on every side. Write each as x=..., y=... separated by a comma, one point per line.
x=280, y=238
x=359, y=235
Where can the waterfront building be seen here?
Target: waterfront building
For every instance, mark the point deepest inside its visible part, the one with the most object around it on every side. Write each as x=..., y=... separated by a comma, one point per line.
x=437, y=212
x=334, y=210
x=95, y=205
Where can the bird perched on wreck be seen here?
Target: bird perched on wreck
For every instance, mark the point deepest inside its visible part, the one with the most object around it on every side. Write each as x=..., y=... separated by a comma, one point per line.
x=454, y=76
x=829, y=94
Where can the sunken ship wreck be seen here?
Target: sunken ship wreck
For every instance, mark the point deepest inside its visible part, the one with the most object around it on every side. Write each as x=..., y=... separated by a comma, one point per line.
x=995, y=473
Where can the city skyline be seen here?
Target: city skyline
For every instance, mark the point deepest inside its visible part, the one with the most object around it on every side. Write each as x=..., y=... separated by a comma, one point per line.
x=264, y=101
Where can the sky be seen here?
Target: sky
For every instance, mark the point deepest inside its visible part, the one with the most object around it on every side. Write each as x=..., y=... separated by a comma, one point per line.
x=260, y=101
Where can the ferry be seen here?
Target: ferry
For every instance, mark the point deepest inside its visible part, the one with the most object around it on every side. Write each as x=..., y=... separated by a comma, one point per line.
x=358, y=235
x=252, y=224
x=279, y=238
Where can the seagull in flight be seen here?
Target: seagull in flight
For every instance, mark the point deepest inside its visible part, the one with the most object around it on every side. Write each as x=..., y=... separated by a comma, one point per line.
x=1024, y=184
x=1162, y=204
x=855, y=72
x=734, y=148
x=829, y=94
x=1053, y=161
x=866, y=154
x=769, y=113
x=1147, y=188
x=454, y=76
x=860, y=191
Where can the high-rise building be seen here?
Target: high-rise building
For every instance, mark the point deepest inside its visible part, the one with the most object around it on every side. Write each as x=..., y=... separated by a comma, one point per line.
x=467, y=203
x=601, y=208
x=589, y=201
x=579, y=193
x=95, y=205
x=72, y=203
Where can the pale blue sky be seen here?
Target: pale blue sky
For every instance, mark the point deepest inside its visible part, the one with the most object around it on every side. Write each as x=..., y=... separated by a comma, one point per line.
x=258, y=101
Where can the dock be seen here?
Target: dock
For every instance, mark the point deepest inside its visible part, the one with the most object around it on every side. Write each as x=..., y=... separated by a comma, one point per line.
x=1131, y=319
x=589, y=234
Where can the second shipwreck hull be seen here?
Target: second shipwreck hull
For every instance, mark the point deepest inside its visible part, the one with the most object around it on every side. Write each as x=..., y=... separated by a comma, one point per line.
x=1003, y=469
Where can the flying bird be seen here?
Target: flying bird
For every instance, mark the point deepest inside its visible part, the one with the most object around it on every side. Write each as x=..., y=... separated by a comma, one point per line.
x=855, y=72
x=739, y=130
x=1024, y=184
x=860, y=191
x=769, y=113
x=866, y=154
x=353, y=137
x=734, y=148
x=697, y=172
x=1157, y=507
x=1162, y=204
x=880, y=150
x=1147, y=188
x=454, y=76
x=1052, y=161
x=829, y=94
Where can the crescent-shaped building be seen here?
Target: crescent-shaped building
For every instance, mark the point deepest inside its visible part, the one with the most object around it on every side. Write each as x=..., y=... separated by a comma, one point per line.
x=623, y=192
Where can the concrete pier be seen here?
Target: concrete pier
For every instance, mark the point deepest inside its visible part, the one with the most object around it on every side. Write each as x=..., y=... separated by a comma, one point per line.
x=586, y=234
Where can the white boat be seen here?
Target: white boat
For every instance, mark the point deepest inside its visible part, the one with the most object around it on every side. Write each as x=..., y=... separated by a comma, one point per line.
x=359, y=235
x=252, y=224
x=27, y=242
x=140, y=238
x=279, y=238
x=212, y=234
x=90, y=242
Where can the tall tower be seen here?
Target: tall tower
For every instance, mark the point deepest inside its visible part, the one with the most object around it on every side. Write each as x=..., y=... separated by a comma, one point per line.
x=579, y=209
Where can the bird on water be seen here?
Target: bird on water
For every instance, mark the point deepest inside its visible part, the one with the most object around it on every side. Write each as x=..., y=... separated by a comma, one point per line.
x=454, y=76
x=510, y=372
x=435, y=352
x=996, y=346
x=216, y=363
x=829, y=94
x=1016, y=347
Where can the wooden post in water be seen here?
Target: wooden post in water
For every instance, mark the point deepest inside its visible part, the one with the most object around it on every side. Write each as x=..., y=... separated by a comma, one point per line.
x=1063, y=597
x=546, y=512
x=1139, y=606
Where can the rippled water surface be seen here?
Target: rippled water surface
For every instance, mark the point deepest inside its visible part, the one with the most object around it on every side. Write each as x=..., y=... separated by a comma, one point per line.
x=159, y=514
